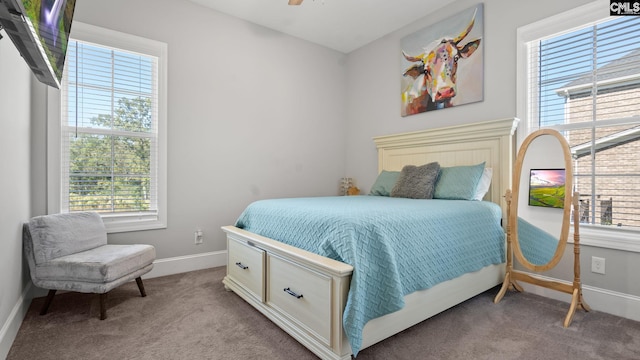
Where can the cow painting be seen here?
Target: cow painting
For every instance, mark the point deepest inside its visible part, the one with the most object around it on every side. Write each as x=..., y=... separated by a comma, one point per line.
x=430, y=78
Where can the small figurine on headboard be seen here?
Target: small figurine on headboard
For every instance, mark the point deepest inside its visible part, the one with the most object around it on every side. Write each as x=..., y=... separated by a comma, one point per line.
x=346, y=183
x=352, y=190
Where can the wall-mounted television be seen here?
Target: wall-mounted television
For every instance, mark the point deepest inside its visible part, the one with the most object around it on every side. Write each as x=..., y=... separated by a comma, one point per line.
x=546, y=188
x=40, y=30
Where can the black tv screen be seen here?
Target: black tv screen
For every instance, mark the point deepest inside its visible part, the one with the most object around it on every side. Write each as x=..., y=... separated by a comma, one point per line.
x=40, y=30
x=547, y=188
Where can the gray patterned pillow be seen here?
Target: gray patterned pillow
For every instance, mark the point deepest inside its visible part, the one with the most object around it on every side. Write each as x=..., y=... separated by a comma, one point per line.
x=416, y=182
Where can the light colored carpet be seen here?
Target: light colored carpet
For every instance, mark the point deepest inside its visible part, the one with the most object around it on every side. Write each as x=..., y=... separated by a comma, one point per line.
x=191, y=316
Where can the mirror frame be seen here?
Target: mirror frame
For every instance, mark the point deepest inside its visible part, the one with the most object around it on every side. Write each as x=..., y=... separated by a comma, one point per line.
x=566, y=216
x=512, y=276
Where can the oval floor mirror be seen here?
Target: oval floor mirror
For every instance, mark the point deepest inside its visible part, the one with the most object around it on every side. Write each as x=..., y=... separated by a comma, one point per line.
x=539, y=216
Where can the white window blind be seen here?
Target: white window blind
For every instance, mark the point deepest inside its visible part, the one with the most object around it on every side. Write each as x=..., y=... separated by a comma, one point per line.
x=109, y=133
x=586, y=84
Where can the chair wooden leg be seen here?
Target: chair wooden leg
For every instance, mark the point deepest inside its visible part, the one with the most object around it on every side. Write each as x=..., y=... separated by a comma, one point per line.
x=141, y=286
x=103, y=306
x=47, y=302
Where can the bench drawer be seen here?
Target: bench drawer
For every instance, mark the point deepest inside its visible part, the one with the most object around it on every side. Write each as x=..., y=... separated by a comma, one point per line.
x=246, y=265
x=301, y=294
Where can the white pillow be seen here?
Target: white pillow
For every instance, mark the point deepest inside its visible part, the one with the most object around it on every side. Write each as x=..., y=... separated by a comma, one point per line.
x=483, y=184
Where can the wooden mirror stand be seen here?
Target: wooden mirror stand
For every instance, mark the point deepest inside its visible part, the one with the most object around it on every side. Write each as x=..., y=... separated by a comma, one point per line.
x=512, y=276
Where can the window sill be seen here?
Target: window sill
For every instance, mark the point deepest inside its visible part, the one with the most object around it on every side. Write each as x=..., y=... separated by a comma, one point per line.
x=618, y=239
x=132, y=222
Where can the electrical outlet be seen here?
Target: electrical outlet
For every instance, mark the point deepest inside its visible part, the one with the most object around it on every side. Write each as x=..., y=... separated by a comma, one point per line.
x=597, y=265
x=199, y=237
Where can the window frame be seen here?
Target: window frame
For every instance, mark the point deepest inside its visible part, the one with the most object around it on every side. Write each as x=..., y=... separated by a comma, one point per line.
x=592, y=13
x=113, y=222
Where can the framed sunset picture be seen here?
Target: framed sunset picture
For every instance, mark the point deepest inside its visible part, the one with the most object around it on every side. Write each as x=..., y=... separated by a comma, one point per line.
x=547, y=188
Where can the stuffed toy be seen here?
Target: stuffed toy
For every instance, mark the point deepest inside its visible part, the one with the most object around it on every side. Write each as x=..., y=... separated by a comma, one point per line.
x=352, y=190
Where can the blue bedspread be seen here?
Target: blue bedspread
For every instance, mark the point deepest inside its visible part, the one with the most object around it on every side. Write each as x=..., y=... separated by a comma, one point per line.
x=537, y=245
x=396, y=245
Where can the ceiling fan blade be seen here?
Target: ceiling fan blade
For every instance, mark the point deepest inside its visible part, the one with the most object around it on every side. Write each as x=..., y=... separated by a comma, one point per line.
x=295, y=2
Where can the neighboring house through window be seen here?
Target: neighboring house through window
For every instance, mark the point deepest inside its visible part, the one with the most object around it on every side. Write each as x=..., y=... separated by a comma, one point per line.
x=112, y=136
x=579, y=73
x=607, y=157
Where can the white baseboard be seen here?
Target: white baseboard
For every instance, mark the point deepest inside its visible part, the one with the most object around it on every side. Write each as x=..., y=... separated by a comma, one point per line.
x=607, y=301
x=180, y=264
x=10, y=328
x=161, y=267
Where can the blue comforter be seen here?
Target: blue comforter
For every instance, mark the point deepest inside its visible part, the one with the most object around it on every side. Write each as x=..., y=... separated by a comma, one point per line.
x=396, y=245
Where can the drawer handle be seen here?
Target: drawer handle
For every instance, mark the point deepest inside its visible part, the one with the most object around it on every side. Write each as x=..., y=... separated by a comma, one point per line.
x=243, y=267
x=290, y=292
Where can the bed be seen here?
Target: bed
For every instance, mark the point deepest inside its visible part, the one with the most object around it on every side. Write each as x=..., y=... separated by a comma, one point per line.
x=308, y=295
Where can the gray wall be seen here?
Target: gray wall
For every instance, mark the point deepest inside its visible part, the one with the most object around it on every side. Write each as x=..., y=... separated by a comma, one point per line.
x=16, y=127
x=373, y=83
x=373, y=109
x=253, y=114
x=621, y=269
x=257, y=114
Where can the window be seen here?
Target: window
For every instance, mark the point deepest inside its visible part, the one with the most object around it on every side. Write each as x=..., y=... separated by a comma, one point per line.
x=112, y=136
x=579, y=73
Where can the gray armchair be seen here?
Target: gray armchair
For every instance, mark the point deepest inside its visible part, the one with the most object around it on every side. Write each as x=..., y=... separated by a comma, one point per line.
x=70, y=252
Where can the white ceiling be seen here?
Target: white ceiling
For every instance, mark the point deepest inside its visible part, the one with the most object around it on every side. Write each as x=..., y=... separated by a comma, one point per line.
x=343, y=25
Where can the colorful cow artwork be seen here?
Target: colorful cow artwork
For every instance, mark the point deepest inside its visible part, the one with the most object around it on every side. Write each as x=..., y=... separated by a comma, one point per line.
x=431, y=81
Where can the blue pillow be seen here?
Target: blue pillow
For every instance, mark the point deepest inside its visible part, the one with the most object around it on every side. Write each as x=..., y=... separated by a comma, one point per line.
x=458, y=182
x=384, y=183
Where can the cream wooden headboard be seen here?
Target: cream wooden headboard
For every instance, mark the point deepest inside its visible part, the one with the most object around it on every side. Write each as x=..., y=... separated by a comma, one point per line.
x=490, y=141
